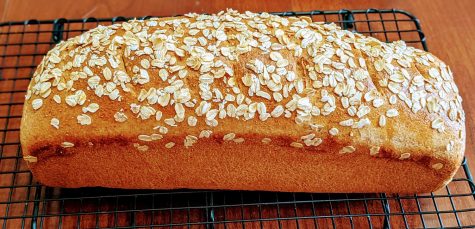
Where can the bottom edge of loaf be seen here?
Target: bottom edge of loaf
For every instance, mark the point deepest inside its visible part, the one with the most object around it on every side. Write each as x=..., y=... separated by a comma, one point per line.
x=269, y=168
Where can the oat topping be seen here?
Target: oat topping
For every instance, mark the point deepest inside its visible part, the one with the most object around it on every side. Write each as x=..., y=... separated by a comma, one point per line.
x=55, y=123
x=146, y=138
x=57, y=98
x=190, y=140
x=296, y=145
x=93, y=107
x=438, y=124
x=405, y=156
x=266, y=140
x=238, y=140
x=192, y=120
x=169, y=145
x=67, y=144
x=392, y=113
x=393, y=99
x=205, y=134
x=333, y=131
x=31, y=159
x=347, y=149
x=161, y=129
x=229, y=137
x=374, y=150
x=142, y=148
x=382, y=120
x=155, y=137
x=437, y=166
x=305, y=70
x=120, y=116
x=450, y=145
x=37, y=103
x=84, y=119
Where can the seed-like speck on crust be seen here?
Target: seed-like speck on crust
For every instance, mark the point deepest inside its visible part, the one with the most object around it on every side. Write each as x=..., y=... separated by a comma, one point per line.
x=37, y=103
x=348, y=122
x=142, y=148
x=296, y=145
x=450, y=146
x=155, y=137
x=192, y=120
x=238, y=140
x=382, y=120
x=405, y=156
x=205, y=134
x=30, y=159
x=229, y=137
x=67, y=144
x=120, y=117
x=316, y=127
x=347, y=149
x=190, y=140
x=392, y=113
x=374, y=150
x=93, y=107
x=169, y=145
x=437, y=123
x=144, y=137
x=437, y=166
x=161, y=129
x=158, y=115
x=266, y=140
x=84, y=119
x=392, y=99
x=57, y=99
x=55, y=123
x=333, y=131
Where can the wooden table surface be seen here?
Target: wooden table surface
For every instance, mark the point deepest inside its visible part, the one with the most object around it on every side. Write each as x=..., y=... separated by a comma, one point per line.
x=448, y=26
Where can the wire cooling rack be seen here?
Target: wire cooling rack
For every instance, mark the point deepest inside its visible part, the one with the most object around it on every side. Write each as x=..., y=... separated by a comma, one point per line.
x=26, y=203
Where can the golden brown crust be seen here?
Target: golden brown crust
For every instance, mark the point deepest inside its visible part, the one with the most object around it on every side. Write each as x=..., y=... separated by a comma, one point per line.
x=318, y=142
x=269, y=167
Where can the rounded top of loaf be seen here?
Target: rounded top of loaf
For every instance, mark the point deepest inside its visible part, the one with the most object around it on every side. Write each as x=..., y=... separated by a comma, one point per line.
x=201, y=75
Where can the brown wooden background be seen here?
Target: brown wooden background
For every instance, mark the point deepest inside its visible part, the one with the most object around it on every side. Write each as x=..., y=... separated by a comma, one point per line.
x=449, y=26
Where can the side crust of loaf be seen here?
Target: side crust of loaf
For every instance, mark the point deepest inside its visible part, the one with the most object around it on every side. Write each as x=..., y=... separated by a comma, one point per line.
x=214, y=164
x=123, y=107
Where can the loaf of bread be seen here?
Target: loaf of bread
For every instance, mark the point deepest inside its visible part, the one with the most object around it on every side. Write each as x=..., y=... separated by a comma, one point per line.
x=241, y=102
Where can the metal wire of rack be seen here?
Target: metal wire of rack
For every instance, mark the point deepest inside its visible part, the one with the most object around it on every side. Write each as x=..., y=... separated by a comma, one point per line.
x=26, y=203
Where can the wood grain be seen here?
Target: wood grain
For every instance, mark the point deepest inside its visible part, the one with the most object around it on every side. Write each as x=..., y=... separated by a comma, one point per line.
x=448, y=27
